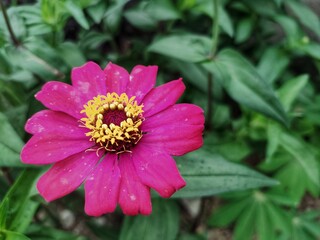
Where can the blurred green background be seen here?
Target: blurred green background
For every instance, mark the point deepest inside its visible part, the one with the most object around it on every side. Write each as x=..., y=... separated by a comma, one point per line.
x=253, y=66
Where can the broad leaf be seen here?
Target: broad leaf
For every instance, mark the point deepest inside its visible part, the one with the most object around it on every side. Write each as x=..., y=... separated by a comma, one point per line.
x=71, y=54
x=9, y=235
x=186, y=47
x=272, y=63
x=162, y=224
x=210, y=174
x=245, y=85
x=290, y=27
x=254, y=213
x=3, y=213
x=10, y=144
x=21, y=207
x=97, y=11
x=77, y=13
x=140, y=19
x=244, y=30
x=304, y=226
x=296, y=166
x=305, y=15
x=302, y=155
x=291, y=89
x=225, y=21
x=162, y=10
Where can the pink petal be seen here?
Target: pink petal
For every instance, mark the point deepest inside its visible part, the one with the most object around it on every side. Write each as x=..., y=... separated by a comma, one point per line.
x=46, y=148
x=89, y=79
x=102, y=187
x=142, y=80
x=182, y=113
x=162, y=97
x=62, y=97
x=48, y=120
x=177, y=130
x=134, y=196
x=67, y=175
x=157, y=170
x=117, y=78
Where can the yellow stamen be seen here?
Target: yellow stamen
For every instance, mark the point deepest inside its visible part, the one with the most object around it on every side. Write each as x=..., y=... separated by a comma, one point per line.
x=112, y=106
x=120, y=106
x=113, y=136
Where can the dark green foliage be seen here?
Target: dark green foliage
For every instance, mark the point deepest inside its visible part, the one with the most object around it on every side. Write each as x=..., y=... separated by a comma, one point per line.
x=257, y=81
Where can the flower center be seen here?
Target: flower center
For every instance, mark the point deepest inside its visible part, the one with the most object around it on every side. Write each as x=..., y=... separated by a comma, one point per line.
x=114, y=121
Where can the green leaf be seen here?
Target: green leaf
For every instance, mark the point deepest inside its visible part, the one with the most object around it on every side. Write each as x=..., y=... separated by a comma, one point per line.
x=228, y=213
x=21, y=207
x=273, y=136
x=291, y=89
x=3, y=213
x=10, y=144
x=302, y=154
x=290, y=27
x=232, y=150
x=17, y=117
x=262, y=224
x=186, y=47
x=244, y=30
x=22, y=57
x=163, y=223
x=305, y=15
x=16, y=22
x=225, y=21
x=193, y=73
x=77, y=13
x=247, y=218
x=71, y=54
x=162, y=10
x=9, y=235
x=198, y=77
x=254, y=214
x=140, y=19
x=312, y=49
x=267, y=9
x=113, y=15
x=272, y=64
x=33, y=20
x=53, y=13
x=5, y=66
x=282, y=197
x=277, y=217
x=209, y=174
x=294, y=184
x=93, y=39
x=245, y=85
x=86, y=3
x=304, y=225
x=97, y=11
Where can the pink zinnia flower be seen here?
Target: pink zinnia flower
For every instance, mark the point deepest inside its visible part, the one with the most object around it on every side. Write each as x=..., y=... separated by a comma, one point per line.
x=116, y=133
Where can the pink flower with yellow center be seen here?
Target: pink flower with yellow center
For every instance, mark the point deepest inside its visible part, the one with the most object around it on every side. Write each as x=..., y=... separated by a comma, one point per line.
x=115, y=132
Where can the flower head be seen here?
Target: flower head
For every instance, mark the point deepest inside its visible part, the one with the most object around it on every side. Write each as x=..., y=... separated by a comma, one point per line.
x=115, y=132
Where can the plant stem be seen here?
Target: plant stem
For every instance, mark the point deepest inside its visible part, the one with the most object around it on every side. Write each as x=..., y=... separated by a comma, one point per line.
x=45, y=64
x=215, y=40
x=215, y=27
x=6, y=19
x=209, y=103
